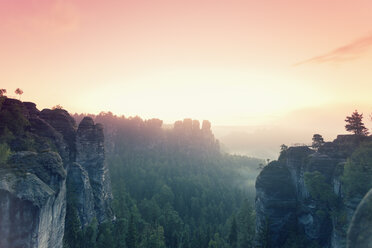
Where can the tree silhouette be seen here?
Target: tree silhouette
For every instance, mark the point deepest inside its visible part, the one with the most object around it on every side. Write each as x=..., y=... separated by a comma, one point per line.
x=355, y=124
x=2, y=92
x=58, y=106
x=318, y=141
x=19, y=92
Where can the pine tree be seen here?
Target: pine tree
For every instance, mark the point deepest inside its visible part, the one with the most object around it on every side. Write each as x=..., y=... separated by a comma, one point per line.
x=355, y=124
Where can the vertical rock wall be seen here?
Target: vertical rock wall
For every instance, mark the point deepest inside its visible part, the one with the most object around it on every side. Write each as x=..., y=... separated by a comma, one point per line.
x=34, y=186
x=32, y=201
x=91, y=157
x=284, y=204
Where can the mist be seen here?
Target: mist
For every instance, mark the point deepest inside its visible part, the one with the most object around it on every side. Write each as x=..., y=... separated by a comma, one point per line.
x=294, y=128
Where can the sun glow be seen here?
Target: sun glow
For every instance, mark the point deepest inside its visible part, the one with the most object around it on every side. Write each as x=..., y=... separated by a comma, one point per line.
x=231, y=62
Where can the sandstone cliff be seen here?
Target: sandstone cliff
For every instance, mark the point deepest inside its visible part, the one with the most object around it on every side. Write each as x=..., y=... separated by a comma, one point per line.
x=52, y=161
x=32, y=201
x=285, y=207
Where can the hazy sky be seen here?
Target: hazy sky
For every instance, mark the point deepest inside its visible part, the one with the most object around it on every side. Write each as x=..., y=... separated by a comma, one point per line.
x=232, y=62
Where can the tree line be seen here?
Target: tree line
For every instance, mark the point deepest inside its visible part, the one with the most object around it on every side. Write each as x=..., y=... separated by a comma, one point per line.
x=172, y=187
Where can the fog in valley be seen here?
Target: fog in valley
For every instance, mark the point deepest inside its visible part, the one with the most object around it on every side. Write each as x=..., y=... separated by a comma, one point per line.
x=294, y=128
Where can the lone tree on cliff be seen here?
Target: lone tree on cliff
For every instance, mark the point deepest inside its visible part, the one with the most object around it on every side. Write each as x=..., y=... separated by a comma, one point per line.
x=19, y=92
x=318, y=141
x=355, y=124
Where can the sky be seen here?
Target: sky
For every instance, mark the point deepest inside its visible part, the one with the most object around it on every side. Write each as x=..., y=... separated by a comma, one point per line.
x=233, y=62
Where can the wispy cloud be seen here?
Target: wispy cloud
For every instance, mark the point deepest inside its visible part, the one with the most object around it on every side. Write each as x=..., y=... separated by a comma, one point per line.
x=347, y=52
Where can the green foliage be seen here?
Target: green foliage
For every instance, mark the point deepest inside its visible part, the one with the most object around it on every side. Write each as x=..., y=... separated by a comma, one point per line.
x=320, y=189
x=105, y=238
x=217, y=242
x=14, y=129
x=4, y=153
x=173, y=188
x=131, y=239
x=73, y=233
x=13, y=120
x=90, y=235
x=153, y=237
x=357, y=176
x=246, y=225
x=119, y=233
x=190, y=198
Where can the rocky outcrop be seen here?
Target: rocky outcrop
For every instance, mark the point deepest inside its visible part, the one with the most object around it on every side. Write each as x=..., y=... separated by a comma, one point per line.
x=91, y=157
x=285, y=206
x=66, y=163
x=81, y=192
x=32, y=201
x=360, y=230
x=275, y=206
x=63, y=123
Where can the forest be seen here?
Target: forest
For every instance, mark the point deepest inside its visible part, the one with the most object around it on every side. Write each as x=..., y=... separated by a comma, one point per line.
x=172, y=187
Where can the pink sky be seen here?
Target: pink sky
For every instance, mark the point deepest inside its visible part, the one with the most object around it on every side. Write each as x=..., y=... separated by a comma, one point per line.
x=229, y=61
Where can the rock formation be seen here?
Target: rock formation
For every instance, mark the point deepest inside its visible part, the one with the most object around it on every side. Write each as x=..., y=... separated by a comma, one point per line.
x=91, y=157
x=32, y=201
x=360, y=230
x=285, y=206
x=55, y=161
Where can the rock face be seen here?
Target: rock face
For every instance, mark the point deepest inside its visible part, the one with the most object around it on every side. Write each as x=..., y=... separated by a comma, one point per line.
x=69, y=164
x=360, y=230
x=284, y=205
x=32, y=201
x=91, y=157
x=275, y=206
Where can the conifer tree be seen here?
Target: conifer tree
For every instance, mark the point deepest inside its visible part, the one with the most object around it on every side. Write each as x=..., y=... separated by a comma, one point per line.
x=355, y=124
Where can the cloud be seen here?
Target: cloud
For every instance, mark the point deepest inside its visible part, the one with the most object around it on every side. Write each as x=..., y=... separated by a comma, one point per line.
x=344, y=53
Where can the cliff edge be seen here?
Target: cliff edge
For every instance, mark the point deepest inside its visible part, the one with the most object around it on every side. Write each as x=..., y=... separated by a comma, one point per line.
x=52, y=164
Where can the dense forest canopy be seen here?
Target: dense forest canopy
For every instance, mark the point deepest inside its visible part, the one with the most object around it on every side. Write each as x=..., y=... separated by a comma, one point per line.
x=174, y=188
